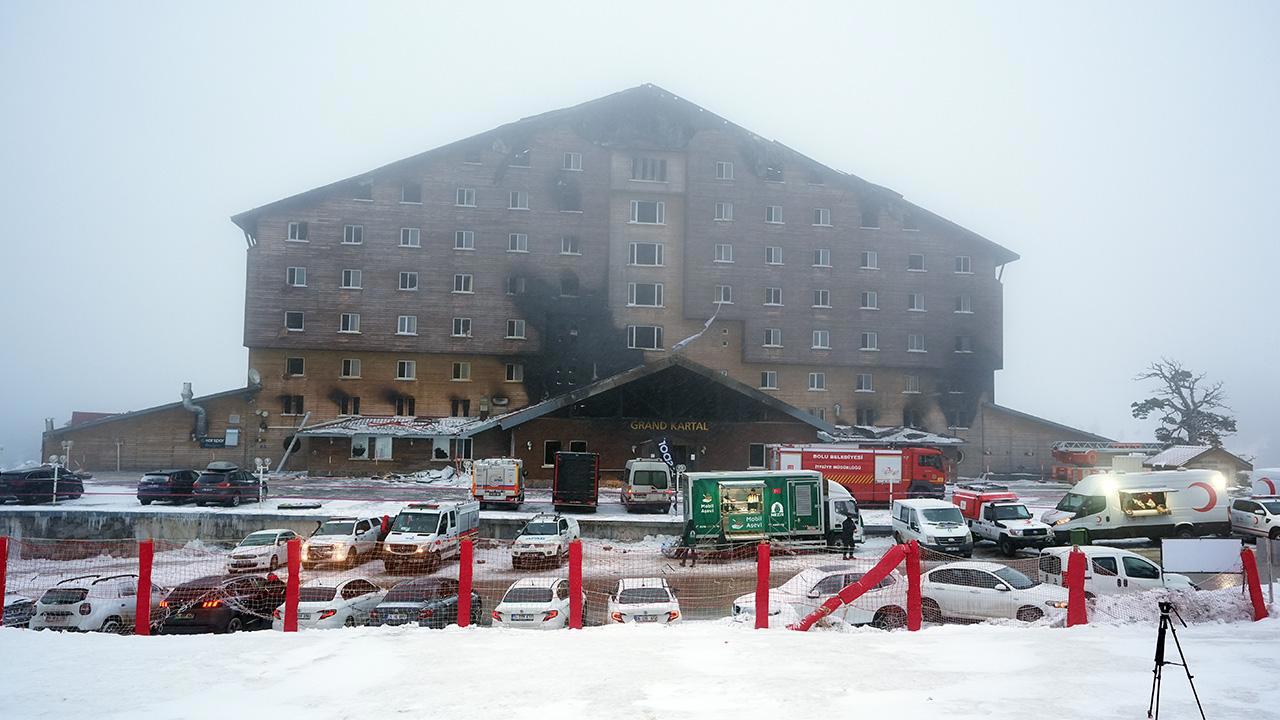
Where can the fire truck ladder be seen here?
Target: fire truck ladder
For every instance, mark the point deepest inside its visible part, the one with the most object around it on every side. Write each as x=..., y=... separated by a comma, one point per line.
x=1083, y=446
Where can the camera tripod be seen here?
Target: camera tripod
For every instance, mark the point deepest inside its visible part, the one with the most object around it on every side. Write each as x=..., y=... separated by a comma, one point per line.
x=1166, y=623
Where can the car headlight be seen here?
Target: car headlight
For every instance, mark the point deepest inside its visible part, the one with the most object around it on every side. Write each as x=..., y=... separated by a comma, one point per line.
x=1015, y=532
x=1055, y=604
x=1062, y=521
x=420, y=549
x=930, y=540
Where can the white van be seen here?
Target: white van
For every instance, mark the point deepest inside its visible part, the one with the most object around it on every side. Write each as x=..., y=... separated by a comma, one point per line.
x=424, y=535
x=1265, y=481
x=1165, y=503
x=936, y=524
x=647, y=486
x=1110, y=571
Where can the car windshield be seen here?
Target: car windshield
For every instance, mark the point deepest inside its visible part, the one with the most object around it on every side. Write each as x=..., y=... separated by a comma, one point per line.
x=643, y=595
x=155, y=478
x=1015, y=579
x=528, y=595
x=336, y=527
x=63, y=596
x=316, y=594
x=943, y=515
x=259, y=539
x=214, y=476
x=1072, y=502
x=417, y=522
x=540, y=528
x=654, y=478
x=1272, y=506
x=931, y=461
x=413, y=592
x=1012, y=512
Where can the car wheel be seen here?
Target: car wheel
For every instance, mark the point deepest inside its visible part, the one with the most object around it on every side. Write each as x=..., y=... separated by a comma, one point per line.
x=929, y=610
x=896, y=537
x=353, y=558
x=274, y=564
x=889, y=618
x=144, y=501
x=1090, y=598
x=111, y=625
x=234, y=501
x=349, y=622
x=234, y=625
x=433, y=564
x=1007, y=548
x=1275, y=533
x=1027, y=613
x=1185, y=532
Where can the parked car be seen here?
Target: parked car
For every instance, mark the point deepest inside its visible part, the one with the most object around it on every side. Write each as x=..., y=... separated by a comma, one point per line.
x=544, y=541
x=429, y=602
x=643, y=600
x=534, y=603
x=1109, y=571
x=18, y=610
x=936, y=524
x=424, y=535
x=173, y=485
x=985, y=590
x=326, y=604
x=261, y=550
x=221, y=604
x=883, y=606
x=93, y=602
x=36, y=485
x=1258, y=516
x=224, y=483
x=342, y=540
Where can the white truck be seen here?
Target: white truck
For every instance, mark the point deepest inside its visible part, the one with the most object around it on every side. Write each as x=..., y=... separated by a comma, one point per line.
x=1164, y=503
x=997, y=515
x=424, y=535
x=544, y=541
x=498, y=482
x=647, y=486
x=344, y=540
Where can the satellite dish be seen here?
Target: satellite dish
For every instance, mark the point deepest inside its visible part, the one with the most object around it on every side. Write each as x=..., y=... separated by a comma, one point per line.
x=255, y=378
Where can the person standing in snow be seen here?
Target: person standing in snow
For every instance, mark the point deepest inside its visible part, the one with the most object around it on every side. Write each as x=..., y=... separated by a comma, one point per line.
x=846, y=537
x=690, y=544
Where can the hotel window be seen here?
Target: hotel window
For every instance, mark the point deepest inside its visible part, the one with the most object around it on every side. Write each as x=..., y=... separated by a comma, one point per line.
x=569, y=285
x=569, y=245
x=410, y=237
x=459, y=407
x=293, y=321
x=515, y=285
x=294, y=367
x=822, y=298
x=864, y=383
x=870, y=218
x=724, y=211
x=462, y=283
x=644, y=294
x=773, y=214
x=773, y=173
x=915, y=342
x=353, y=235
x=755, y=455
x=348, y=405
x=911, y=418
x=519, y=200
x=911, y=385
x=515, y=372
x=957, y=419
x=518, y=243
x=473, y=155
x=411, y=192
x=407, y=325
x=724, y=170
x=364, y=190
x=909, y=221
x=296, y=276
x=351, y=279
x=646, y=254
x=649, y=169
x=773, y=337
x=915, y=302
x=406, y=369
x=870, y=341
x=461, y=327
x=349, y=323
x=461, y=372
x=964, y=265
x=964, y=304
x=724, y=295
x=292, y=405
x=870, y=300
x=572, y=161
x=466, y=197
x=520, y=158
x=644, y=337
x=408, y=281
x=464, y=240
x=822, y=257
x=405, y=406
x=768, y=379
x=773, y=296
x=569, y=198
x=549, y=450
x=817, y=381
x=773, y=255
x=964, y=344
x=648, y=212
x=820, y=413
x=915, y=262
x=864, y=416
x=578, y=446
x=515, y=329
x=822, y=217
x=350, y=368
x=297, y=232
x=870, y=260
x=724, y=253
x=821, y=339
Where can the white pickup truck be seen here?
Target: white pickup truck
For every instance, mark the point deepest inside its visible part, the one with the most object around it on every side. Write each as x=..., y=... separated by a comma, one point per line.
x=997, y=515
x=544, y=541
x=424, y=535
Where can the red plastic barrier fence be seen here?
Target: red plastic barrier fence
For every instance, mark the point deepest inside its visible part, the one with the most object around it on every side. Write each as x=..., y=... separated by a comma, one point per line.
x=142, y=612
x=1077, y=612
x=915, y=610
x=291, y=586
x=762, y=586
x=1251, y=579
x=854, y=590
x=464, y=582
x=575, y=584
x=4, y=563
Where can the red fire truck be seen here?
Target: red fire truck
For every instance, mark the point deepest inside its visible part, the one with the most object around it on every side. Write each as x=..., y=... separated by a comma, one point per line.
x=872, y=475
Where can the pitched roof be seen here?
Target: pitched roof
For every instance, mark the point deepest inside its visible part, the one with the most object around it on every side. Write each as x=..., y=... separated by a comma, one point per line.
x=113, y=417
x=888, y=436
x=1180, y=455
x=1042, y=421
x=395, y=426
x=247, y=220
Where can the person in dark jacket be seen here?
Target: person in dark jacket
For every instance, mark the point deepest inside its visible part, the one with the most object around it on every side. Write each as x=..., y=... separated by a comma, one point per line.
x=846, y=537
x=690, y=544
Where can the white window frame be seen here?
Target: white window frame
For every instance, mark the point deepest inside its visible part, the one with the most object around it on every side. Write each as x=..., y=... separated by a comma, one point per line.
x=572, y=162
x=822, y=257
x=515, y=371
x=916, y=343
x=723, y=253
x=864, y=383
x=570, y=245
x=295, y=276
x=923, y=267
x=773, y=255
x=460, y=372
x=464, y=284
x=465, y=197
x=292, y=232
x=869, y=256
x=724, y=295
x=464, y=240
x=968, y=343
x=821, y=340
x=821, y=298
x=352, y=279
x=407, y=325
x=723, y=212
x=724, y=170
x=915, y=302
x=411, y=202
x=772, y=337
x=410, y=237
x=964, y=304
x=406, y=369
x=632, y=295
x=773, y=214
x=517, y=242
x=289, y=360
x=657, y=336
x=869, y=295
x=911, y=385
x=660, y=212
x=349, y=369
x=659, y=251
x=964, y=265
x=515, y=329
x=817, y=382
x=518, y=199
x=350, y=233
x=642, y=167
x=769, y=296
x=411, y=277
x=869, y=341
x=349, y=323
x=461, y=327
x=302, y=315
x=768, y=379
x=822, y=217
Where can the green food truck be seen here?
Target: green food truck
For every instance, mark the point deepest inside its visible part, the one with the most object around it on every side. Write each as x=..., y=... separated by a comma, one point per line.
x=794, y=505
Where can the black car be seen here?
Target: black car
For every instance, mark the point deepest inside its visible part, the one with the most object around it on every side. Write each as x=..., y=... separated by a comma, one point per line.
x=430, y=602
x=36, y=485
x=18, y=610
x=221, y=604
x=175, y=485
x=224, y=483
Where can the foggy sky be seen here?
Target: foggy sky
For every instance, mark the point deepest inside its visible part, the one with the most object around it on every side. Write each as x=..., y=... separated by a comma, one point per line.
x=1127, y=151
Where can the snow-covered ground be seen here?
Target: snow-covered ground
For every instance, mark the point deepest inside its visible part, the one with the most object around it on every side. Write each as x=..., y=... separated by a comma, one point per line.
x=699, y=670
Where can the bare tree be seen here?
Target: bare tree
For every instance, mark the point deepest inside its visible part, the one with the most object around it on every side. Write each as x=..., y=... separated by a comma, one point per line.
x=1185, y=404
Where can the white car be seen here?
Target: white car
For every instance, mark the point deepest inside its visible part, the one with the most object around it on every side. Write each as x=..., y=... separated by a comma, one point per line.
x=262, y=550
x=883, y=606
x=544, y=541
x=534, y=603
x=342, y=540
x=643, y=600
x=1110, y=571
x=325, y=604
x=93, y=602
x=1258, y=516
x=985, y=590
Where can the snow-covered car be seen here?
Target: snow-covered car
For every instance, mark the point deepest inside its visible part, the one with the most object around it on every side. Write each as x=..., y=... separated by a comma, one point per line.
x=261, y=550
x=643, y=600
x=984, y=590
x=18, y=610
x=883, y=606
x=326, y=604
x=93, y=603
x=534, y=603
x=544, y=541
x=344, y=540
x=1110, y=571
x=428, y=602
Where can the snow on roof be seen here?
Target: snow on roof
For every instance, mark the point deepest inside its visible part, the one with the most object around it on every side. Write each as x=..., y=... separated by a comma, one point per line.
x=1176, y=456
x=873, y=435
x=398, y=426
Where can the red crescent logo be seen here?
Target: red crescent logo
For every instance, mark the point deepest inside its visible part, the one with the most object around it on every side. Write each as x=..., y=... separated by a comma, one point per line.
x=1213, y=496
x=1270, y=485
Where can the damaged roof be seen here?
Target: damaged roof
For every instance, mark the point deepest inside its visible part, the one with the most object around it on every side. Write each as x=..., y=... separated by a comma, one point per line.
x=887, y=436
